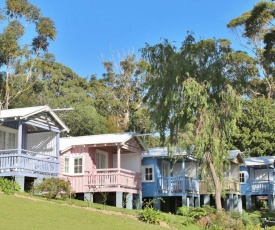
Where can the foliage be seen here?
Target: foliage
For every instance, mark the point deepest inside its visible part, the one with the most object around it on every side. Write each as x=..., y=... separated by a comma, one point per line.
x=51, y=187
x=19, y=61
x=119, y=95
x=9, y=187
x=254, y=30
x=191, y=96
x=150, y=215
x=256, y=127
x=84, y=120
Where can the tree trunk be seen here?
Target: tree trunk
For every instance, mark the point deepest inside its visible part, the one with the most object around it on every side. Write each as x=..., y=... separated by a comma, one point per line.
x=216, y=181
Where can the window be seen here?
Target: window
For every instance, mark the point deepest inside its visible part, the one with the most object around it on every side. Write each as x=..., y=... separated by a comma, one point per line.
x=148, y=173
x=8, y=138
x=67, y=164
x=242, y=177
x=2, y=139
x=73, y=165
x=11, y=143
x=78, y=165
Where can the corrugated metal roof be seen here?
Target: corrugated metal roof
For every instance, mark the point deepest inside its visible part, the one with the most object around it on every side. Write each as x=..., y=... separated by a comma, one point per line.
x=161, y=152
x=116, y=138
x=264, y=160
x=22, y=113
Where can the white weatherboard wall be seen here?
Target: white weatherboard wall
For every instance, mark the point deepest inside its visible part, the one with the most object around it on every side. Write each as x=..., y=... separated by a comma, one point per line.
x=42, y=143
x=128, y=161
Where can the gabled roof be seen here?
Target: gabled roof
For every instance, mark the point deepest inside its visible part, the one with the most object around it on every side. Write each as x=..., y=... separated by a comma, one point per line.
x=257, y=161
x=24, y=113
x=115, y=139
x=236, y=156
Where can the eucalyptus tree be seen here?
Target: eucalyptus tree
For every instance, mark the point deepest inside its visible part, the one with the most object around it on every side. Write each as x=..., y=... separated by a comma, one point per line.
x=193, y=93
x=254, y=30
x=119, y=93
x=18, y=61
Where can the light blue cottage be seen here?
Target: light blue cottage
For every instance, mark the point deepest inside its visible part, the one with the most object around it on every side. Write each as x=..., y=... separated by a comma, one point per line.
x=169, y=179
x=29, y=144
x=257, y=182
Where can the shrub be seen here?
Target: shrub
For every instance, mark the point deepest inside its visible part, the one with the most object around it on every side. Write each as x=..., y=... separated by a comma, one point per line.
x=183, y=211
x=8, y=186
x=52, y=187
x=150, y=215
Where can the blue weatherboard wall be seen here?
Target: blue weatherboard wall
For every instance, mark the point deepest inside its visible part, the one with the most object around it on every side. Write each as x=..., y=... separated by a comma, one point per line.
x=149, y=189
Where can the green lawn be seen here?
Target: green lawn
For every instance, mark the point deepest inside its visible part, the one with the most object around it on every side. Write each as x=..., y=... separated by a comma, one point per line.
x=20, y=213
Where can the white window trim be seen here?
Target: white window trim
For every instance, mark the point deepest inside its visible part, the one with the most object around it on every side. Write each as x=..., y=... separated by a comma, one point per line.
x=71, y=164
x=143, y=173
x=7, y=131
x=244, y=176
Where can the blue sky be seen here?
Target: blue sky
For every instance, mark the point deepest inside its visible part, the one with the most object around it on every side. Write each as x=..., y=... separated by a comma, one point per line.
x=89, y=30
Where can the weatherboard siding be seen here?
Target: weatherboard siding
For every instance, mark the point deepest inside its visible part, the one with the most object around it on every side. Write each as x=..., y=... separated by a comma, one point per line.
x=127, y=178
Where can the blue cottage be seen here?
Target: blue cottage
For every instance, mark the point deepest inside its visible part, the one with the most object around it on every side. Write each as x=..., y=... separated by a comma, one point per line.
x=257, y=178
x=169, y=179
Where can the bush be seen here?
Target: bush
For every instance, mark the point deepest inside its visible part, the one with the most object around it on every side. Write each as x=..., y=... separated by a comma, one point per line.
x=183, y=211
x=9, y=187
x=150, y=215
x=52, y=187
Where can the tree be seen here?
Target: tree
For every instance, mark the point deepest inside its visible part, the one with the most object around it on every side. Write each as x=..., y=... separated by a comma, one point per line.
x=118, y=95
x=256, y=128
x=19, y=60
x=254, y=30
x=84, y=120
x=190, y=94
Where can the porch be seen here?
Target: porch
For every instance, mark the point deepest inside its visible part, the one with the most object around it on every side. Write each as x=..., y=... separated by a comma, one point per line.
x=175, y=185
x=27, y=163
x=106, y=180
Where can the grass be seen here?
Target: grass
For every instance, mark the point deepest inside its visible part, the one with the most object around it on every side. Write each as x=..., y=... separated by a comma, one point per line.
x=20, y=213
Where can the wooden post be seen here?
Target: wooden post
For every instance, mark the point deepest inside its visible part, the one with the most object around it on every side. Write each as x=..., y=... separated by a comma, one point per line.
x=118, y=165
x=19, y=143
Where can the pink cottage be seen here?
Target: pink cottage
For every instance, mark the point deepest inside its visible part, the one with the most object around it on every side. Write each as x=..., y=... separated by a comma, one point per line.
x=104, y=166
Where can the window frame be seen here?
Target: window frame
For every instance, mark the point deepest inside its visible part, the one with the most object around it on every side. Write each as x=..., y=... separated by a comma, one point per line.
x=242, y=175
x=144, y=168
x=7, y=134
x=77, y=165
x=69, y=168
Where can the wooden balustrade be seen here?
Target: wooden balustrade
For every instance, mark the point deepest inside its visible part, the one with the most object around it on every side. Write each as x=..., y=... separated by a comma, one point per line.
x=175, y=185
x=105, y=178
x=263, y=186
x=27, y=161
x=229, y=185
